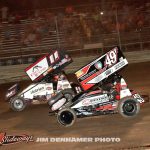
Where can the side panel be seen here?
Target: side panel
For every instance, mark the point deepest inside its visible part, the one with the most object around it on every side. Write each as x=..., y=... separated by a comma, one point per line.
x=101, y=68
x=37, y=90
x=93, y=100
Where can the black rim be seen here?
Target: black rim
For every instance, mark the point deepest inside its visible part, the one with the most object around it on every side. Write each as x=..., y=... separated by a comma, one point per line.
x=66, y=117
x=129, y=107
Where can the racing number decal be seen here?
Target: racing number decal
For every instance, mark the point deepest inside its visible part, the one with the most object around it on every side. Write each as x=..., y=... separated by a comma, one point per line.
x=139, y=98
x=111, y=57
x=54, y=57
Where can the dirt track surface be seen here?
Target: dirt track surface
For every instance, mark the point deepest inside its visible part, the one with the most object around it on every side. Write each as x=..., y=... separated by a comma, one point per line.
x=134, y=133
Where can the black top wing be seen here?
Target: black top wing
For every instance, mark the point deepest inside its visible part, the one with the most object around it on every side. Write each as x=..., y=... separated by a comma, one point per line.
x=100, y=68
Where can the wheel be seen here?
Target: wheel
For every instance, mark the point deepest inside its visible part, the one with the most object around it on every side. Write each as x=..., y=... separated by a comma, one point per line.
x=66, y=117
x=17, y=104
x=68, y=94
x=128, y=107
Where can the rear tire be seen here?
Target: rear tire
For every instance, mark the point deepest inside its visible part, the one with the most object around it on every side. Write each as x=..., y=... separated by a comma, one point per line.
x=69, y=98
x=17, y=104
x=128, y=107
x=66, y=117
x=68, y=94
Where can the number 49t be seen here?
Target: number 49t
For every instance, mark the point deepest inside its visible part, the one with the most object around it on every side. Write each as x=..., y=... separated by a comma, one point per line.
x=111, y=57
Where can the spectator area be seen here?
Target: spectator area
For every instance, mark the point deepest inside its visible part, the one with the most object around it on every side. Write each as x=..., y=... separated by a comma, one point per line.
x=81, y=30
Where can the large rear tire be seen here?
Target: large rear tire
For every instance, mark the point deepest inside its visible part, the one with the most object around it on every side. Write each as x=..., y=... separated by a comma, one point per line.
x=68, y=94
x=68, y=97
x=17, y=104
x=66, y=117
x=128, y=107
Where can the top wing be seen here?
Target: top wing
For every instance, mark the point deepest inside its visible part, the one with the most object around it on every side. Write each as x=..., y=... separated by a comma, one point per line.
x=101, y=68
x=50, y=63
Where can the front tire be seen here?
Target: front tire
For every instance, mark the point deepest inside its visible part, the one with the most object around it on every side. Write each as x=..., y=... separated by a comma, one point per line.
x=128, y=107
x=17, y=104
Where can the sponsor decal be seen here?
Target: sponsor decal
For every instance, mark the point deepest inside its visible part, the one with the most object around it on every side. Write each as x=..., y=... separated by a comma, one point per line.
x=37, y=90
x=62, y=62
x=11, y=139
x=138, y=97
x=108, y=72
x=37, y=70
x=98, y=65
x=95, y=100
x=11, y=93
x=86, y=102
x=79, y=73
x=88, y=75
x=48, y=88
x=100, y=99
x=120, y=64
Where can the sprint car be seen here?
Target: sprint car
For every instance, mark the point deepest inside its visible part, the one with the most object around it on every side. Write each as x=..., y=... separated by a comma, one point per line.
x=104, y=91
x=50, y=84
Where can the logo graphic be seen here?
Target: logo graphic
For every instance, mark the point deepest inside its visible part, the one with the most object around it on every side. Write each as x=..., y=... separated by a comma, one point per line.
x=79, y=73
x=11, y=139
x=49, y=88
x=36, y=68
x=86, y=102
x=98, y=65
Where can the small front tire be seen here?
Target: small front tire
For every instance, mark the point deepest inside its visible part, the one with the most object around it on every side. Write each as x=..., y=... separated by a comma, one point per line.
x=17, y=104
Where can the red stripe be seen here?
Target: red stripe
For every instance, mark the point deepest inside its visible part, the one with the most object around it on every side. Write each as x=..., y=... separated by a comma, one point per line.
x=84, y=83
x=105, y=107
